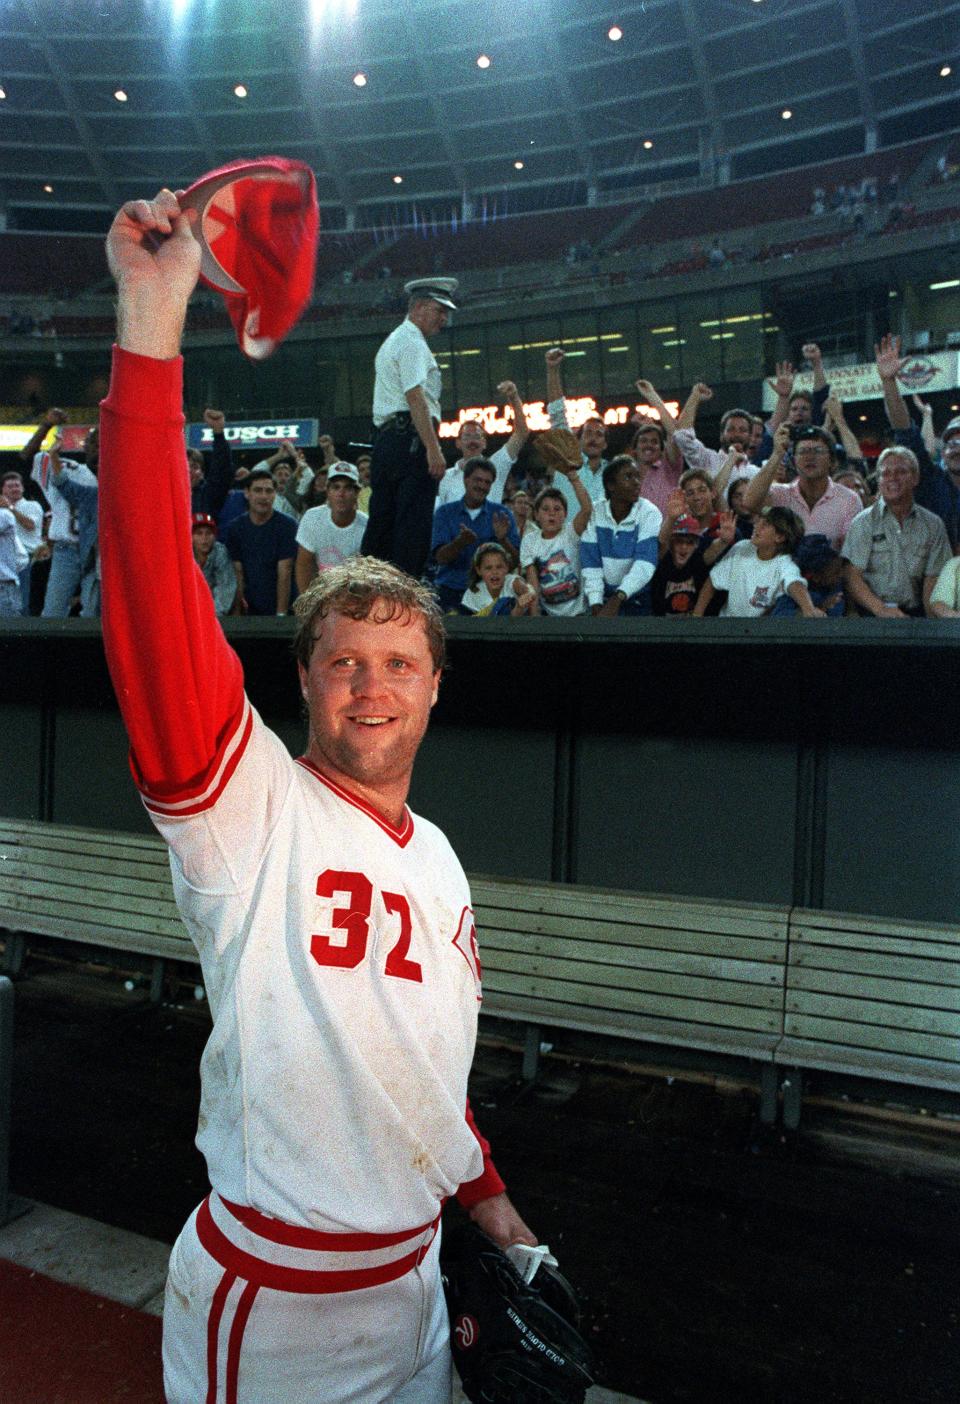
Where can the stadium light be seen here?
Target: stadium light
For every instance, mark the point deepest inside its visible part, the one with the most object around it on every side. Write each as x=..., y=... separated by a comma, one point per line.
x=484, y=61
x=240, y=91
x=48, y=189
x=945, y=71
x=120, y=95
x=648, y=145
x=398, y=180
x=518, y=165
x=614, y=33
x=359, y=80
x=3, y=94
x=786, y=114
x=950, y=283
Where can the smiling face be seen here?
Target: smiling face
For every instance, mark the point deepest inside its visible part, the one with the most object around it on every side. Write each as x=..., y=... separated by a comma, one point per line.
x=682, y=548
x=593, y=438
x=737, y=432
x=699, y=498
x=471, y=441
x=647, y=448
x=476, y=487
x=369, y=688
x=12, y=487
x=897, y=481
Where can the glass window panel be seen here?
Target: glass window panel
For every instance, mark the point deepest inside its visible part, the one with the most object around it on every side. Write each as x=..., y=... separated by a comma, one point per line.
x=701, y=336
x=362, y=350
x=618, y=350
x=580, y=339
x=465, y=371
x=659, y=336
x=741, y=313
x=506, y=355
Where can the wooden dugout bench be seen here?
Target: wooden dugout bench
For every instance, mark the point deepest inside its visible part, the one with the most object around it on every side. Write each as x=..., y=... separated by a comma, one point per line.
x=785, y=990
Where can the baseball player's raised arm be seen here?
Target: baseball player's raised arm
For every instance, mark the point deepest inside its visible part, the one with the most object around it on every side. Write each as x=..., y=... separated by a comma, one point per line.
x=179, y=685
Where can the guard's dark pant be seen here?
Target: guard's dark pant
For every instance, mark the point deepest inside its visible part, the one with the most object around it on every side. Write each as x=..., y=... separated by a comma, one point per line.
x=400, y=525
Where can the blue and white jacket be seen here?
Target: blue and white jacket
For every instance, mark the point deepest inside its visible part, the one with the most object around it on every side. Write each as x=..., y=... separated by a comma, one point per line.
x=619, y=555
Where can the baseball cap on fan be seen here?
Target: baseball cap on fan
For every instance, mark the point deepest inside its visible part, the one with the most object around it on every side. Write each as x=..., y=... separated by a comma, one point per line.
x=258, y=228
x=438, y=289
x=342, y=470
x=685, y=526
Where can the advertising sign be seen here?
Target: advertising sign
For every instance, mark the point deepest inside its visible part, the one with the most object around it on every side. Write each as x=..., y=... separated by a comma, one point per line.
x=497, y=419
x=15, y=436
x=921, y=374
x=257, y=433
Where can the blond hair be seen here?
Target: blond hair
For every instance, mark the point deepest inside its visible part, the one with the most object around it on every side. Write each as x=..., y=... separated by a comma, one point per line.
x=355, y=589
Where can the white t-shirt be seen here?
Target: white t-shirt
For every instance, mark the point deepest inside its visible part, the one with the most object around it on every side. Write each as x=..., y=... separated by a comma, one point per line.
x=404, y=361
x=480, y=601
x=29, y=539
x=330, y=544
x=754, y=585
x=451, y=484
x=558, y=564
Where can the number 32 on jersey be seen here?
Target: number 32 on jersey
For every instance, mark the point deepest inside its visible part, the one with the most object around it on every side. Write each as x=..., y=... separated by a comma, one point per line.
x=354, y=921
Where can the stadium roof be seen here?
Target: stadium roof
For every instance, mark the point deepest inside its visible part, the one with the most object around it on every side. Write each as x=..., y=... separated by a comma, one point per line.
x=106, y=99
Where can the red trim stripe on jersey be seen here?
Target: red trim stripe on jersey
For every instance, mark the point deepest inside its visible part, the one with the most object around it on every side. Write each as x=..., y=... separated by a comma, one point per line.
x=401, y=836
x=293, y=1236
x=287, y=1279
x=203, y=795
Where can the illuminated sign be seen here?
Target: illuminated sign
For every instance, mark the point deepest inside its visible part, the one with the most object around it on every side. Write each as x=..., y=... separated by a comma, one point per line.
x=255, y=433
x=14, y=437
x=498, y=419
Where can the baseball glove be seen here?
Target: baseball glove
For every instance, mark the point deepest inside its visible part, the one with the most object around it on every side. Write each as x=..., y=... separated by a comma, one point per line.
x=558, y=449
x=512, y=1343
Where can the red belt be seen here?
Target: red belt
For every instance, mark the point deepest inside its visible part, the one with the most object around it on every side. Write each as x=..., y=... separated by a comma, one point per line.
x=291, y=1279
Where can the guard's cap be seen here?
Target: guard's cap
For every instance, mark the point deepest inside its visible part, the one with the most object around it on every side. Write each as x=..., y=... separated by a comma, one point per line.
x=439, y=289
x=952, y=428
x=258, y=230
x=685, y=526
x=203, y=519
x=343, y=470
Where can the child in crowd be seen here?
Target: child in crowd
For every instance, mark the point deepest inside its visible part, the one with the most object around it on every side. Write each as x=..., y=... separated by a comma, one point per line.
x=700, y=500
x=492, y=588
x=682, y=571
x=822, y=568
x=550, y=550
x=756, y=573
x=744, y=519
x=213, y=559
x=521, y=505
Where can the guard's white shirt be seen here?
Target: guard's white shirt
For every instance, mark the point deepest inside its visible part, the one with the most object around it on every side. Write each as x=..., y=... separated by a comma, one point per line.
x=403, y=362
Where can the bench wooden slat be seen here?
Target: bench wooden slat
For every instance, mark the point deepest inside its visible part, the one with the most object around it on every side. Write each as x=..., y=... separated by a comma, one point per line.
x=21, y=877
x=589, y=953
x=811, y=919
x=29, y=832
x=14, y=913
x=900, y=1041
x=633, y=1001
x=602, y=979
x=891, y=992
x=882, y=963
x=22, y=893
x=117, y=939
x=516, y=928
x=865, y=1062
x=865, y=940
x=618, y=1024
x=875, y=1013
x=102, y=859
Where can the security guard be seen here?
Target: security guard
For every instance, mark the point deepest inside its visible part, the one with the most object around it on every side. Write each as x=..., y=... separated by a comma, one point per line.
x=408, y=462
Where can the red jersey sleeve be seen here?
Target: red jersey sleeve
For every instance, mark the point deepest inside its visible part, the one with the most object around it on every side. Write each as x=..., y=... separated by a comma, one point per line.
x=488, y=1182
x=178, y=682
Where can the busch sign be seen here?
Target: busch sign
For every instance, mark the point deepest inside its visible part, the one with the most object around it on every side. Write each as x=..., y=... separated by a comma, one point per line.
x=254, y=433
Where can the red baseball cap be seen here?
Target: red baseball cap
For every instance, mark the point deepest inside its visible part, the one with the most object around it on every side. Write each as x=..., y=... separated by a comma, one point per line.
x=258, y=229
x=203, y=519
x=685, y=526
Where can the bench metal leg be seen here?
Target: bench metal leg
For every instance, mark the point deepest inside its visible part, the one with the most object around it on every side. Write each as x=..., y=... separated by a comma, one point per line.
x=157, y=973
x=768, y=1094
x=531, y=1053
x=792, y=1098
x=10, y=1206
x=14, y=952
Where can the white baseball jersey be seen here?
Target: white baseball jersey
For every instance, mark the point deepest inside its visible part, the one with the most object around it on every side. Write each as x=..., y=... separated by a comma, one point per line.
x=339, y=958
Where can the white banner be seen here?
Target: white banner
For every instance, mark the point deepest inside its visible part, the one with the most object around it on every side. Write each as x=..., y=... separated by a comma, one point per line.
x=938, y=371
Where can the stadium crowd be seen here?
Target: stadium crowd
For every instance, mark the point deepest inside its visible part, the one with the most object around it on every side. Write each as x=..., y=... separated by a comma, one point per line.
x=782, y=515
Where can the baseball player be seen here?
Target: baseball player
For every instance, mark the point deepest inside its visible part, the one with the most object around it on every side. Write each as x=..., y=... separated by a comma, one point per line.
x=408, y=461
x=334, y=927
